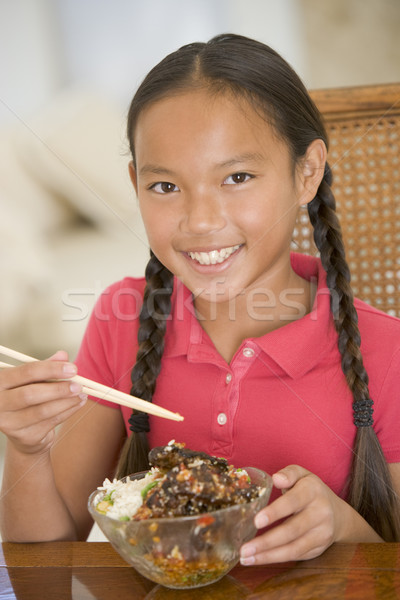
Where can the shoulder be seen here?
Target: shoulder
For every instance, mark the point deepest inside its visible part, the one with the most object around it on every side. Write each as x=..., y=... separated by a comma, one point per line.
x=380, y=336
x=122, y=298
x=117, y=309
x=109, y=344
x=128, y=285
x=375, y=322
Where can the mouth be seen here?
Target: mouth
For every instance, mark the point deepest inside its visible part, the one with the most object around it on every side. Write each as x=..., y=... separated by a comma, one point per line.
x=213, y=257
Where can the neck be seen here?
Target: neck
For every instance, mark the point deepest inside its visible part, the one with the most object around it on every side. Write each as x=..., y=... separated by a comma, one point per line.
x=255, y=311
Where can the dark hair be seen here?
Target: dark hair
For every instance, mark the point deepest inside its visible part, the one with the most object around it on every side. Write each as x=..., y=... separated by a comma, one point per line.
x=251, y=70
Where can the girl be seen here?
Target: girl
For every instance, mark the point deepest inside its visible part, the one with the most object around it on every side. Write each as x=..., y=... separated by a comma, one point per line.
x=258, y=348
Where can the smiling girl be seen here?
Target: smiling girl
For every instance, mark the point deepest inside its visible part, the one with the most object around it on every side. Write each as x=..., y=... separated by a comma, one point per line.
x=257, y=347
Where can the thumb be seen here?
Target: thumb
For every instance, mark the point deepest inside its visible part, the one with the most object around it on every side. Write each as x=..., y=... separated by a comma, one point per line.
x=287, y=477
x=59, y=355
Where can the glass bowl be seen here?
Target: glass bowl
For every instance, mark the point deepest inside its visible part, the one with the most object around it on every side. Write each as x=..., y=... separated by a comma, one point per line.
x=185, y=552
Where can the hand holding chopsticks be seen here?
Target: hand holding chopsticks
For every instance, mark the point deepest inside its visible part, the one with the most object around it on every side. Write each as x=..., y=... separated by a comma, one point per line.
x=98, y=390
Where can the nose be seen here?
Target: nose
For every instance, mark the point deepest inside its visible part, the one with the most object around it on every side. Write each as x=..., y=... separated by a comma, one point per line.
x=203, y=214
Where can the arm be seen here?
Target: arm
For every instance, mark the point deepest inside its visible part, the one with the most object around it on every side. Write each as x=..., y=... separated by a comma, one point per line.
x=394, y=469
x=32, y=503
x=30, y=409
x=86, y=452
x=314, y=518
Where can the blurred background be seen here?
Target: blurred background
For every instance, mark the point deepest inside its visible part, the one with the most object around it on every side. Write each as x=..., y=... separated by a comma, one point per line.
x=69, y=223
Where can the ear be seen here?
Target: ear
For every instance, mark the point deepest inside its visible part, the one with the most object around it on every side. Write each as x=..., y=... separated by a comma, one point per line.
x=132, y=175
x=311, y=171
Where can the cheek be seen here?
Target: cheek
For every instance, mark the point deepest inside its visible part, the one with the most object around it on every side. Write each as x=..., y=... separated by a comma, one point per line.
x=150, y=221
x=159, y=227
x=271, y=220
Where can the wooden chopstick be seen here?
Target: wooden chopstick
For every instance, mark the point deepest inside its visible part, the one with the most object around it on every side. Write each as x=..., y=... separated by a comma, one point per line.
x=98, y=390
x=109, y=395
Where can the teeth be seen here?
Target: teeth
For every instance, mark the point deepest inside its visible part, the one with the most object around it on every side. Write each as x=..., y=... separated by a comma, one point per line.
x=213, y=257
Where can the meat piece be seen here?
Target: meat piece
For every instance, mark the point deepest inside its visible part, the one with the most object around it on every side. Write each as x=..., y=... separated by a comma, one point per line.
x=196, y=483
x=167, y=457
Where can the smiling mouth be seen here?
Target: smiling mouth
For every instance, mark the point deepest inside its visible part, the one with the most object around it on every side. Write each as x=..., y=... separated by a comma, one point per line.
x=214, y=257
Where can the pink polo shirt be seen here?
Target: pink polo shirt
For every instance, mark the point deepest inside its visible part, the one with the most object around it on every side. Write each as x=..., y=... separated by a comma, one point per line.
x=283, y=398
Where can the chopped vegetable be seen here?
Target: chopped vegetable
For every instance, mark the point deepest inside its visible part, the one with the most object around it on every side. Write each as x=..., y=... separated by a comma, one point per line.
x=148, y=487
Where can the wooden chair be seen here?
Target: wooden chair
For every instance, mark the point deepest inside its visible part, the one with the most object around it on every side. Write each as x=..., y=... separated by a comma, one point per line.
x=363, y=125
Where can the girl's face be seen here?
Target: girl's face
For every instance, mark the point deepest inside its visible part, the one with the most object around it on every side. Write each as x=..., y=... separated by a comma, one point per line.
x=217, y=192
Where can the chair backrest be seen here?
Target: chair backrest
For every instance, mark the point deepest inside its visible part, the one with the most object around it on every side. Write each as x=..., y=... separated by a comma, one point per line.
x=363, y=125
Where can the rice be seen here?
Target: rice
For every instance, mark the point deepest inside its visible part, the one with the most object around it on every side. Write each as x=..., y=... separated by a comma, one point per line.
x=121, y=499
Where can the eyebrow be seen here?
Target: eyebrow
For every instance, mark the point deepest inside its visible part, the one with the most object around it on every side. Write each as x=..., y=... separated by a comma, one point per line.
x=230, y=162
x=155, y=170
x=241, y=158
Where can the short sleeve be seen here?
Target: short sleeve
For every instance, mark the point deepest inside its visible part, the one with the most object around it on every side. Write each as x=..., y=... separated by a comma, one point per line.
x=94, y=359
x=108, y=349
x=387, y=411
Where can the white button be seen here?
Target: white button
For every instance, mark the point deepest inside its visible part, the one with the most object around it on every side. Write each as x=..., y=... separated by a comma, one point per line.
x=228, y=378
x=248, y=352
x=222, y=419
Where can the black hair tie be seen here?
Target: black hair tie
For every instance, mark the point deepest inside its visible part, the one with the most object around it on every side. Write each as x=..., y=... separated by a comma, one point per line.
x=139, y=422
x=362, y=415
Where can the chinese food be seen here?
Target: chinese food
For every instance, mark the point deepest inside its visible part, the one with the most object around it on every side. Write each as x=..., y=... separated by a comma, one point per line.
x=182, y=523
x=182, y=482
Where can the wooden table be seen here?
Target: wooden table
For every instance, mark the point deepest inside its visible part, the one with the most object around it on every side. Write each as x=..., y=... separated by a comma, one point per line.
x=87, y=571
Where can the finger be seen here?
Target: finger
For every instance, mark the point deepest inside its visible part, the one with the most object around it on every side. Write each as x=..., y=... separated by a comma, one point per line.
x=20, y=420
x=38, y=393
x=41, y=435
x=295, y=499
x=302, y=548
x=63, y=413
x=287, y=477
x=35, y=372
x=59, y=355
x=292, y=528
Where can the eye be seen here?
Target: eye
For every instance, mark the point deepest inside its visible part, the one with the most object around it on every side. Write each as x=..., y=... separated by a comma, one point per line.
x=237, y=178
x=164, y=187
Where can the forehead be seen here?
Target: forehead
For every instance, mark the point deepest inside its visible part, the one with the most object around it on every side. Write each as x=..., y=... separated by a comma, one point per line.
x=204, y=121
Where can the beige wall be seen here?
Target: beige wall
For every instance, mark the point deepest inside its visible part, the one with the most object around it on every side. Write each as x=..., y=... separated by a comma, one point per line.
x=351, y=42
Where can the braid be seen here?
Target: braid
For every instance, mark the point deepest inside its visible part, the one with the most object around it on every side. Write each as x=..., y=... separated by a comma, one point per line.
x=153, y=322
x=370, y=491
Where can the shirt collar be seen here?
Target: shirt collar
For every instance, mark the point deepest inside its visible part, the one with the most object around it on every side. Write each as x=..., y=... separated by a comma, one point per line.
x=182, y=324
x=299, y=345
x=295, y=347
